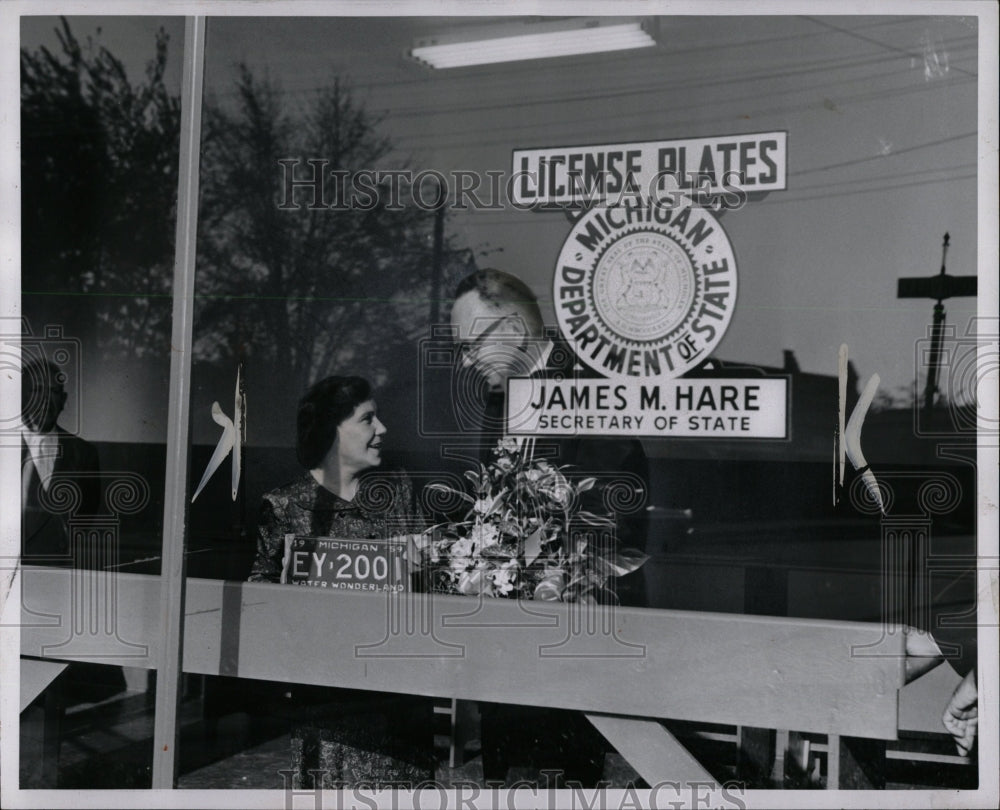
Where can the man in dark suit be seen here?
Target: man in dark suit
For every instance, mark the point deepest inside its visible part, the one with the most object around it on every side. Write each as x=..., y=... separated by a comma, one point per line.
x=498, y=325
x=58, y=469
x=59, y=481
x=500, y=333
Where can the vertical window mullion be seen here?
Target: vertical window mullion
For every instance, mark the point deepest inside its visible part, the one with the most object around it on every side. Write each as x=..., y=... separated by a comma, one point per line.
x=171, y=635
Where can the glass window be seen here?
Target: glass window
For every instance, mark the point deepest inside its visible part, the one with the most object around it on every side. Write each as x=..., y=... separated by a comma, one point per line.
x=100, y=123
x=690, y=325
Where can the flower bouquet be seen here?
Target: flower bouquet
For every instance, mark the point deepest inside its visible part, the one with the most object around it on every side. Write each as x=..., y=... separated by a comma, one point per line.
x=525, y=535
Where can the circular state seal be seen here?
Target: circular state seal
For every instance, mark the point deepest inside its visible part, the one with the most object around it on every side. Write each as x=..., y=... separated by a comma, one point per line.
x=643, y=290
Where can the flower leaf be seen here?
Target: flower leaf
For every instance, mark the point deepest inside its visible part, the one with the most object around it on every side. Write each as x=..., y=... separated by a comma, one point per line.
x=621, y=562
x=533, y=546
x=594, y=520
x=497, y=501
x=631, y=558
x=586, y=484
x=449, y=491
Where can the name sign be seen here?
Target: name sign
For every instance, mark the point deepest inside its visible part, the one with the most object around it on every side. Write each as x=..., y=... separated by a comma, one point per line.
x=753, y=408
x=732, y=165
x=354, y=565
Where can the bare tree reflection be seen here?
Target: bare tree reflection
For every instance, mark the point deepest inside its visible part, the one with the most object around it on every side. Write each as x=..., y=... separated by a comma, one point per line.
x=99, y=180
x=293, y=294
x=302, y=292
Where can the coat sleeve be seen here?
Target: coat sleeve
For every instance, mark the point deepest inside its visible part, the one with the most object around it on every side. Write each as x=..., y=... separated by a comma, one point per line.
x=270, y=545
x=90, y=484
x=406, y=508
x=622, y=471
x=79, y=459
x=414, y=505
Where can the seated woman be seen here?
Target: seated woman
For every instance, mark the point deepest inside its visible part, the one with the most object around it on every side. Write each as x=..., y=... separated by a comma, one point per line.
x=350, y=736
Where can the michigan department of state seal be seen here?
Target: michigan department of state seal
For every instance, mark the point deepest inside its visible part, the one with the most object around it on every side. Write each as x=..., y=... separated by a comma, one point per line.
x=643, y=290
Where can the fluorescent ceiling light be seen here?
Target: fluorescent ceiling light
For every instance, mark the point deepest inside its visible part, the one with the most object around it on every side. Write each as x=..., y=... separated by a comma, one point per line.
x=531, y=40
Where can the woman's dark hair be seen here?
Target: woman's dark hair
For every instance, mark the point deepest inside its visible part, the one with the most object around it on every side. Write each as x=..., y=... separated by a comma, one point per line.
x=324, y=406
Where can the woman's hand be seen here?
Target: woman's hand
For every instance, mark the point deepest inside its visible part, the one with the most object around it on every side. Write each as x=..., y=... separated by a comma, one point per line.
x=286, y=558
x=961, y=715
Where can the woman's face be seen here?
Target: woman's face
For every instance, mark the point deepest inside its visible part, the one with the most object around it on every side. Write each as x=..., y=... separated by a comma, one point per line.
x=359, y=438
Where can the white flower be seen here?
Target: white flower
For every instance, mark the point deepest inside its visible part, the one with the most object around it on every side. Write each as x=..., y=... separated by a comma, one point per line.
x=551, y=587
x=482, y=506
x=471, y=582
x=504, y=576
x=463, y=547
x=459, y=565
x=483, y=535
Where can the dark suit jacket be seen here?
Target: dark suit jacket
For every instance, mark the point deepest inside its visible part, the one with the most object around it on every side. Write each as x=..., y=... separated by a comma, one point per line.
x=44, y=531
x=562, y=739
